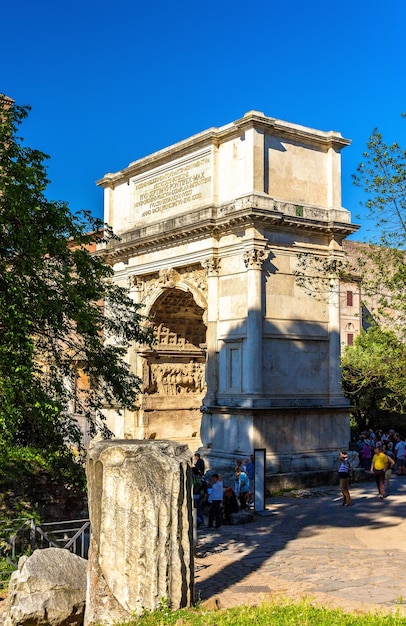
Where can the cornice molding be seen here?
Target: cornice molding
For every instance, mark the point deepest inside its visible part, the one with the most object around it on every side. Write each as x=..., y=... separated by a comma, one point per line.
x=216, y=221
x=213, y=137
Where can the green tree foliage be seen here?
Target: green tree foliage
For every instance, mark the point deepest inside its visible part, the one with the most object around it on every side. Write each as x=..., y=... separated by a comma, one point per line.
x=382, y=175
x=374, y=368
x=374, y=378
x=59, y=308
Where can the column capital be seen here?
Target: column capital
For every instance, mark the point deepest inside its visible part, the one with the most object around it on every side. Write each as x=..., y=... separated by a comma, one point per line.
x=135, y=282
x=211, y=265
x=254, y=258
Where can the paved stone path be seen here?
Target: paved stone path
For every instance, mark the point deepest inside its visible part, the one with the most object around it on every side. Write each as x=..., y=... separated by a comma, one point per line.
x=349, y=557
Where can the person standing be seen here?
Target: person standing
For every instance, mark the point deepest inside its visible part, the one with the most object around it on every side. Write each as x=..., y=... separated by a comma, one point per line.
x=400, y=449
x=216, y=498
x=243, y=487
x=366, y=455
x=199, y=464
x=391, y=463
x=378, y=467
x=344, y=476
x=198, y=495
x=250, y=471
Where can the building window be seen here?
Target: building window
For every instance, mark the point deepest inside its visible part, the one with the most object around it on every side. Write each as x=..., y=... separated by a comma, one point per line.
x=350, y=339
x=349, y=298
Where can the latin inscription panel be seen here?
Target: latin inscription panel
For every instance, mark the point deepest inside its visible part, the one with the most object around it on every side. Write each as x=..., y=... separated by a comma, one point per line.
x=173, y=188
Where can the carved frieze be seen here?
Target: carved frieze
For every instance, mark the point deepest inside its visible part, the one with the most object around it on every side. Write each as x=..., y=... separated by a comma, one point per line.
x=167, y=339
x=174, y=379
x=169, y=278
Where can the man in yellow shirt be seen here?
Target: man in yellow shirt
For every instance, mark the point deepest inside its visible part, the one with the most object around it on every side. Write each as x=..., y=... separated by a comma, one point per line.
x=380, y=462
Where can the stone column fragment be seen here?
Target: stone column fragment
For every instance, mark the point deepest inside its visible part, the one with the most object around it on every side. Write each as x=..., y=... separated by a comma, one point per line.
x=140, y=507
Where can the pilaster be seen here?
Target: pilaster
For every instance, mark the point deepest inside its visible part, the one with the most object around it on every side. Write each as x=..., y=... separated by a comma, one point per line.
x=212, y=266
x=252, y=369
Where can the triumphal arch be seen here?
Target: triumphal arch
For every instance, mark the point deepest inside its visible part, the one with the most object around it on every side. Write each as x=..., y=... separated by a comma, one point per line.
x=210, y=232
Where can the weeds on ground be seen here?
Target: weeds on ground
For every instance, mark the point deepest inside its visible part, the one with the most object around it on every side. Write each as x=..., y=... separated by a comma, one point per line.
x=278, y=613
x=6, y=569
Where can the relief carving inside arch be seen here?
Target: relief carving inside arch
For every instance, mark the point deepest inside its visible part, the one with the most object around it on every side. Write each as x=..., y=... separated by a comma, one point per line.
x=176, y=379
x=176, y=365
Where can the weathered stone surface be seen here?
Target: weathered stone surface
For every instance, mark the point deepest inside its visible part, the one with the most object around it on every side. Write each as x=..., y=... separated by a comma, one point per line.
x=48, y=588
x=141, y=550
x=212, y=230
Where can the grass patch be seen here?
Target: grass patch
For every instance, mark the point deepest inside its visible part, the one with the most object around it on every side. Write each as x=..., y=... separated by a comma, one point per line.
x=277, y=613
x=6, y=569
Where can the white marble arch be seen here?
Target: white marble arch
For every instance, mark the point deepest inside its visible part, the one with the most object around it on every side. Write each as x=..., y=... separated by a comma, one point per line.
x=231, y=194
x=172, y=412
x=183, y=285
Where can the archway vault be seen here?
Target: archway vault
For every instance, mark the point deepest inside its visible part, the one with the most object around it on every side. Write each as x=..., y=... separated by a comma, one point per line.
x=174, y=368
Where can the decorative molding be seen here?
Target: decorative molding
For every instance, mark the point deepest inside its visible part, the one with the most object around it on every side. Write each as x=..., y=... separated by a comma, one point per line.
x=211, y=265
x=259, y=210
x=168, y=278
x=254, y=259
x=190, y=278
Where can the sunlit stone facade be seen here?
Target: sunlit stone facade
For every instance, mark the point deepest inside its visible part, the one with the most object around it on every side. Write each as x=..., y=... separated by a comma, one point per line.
x=210, y=232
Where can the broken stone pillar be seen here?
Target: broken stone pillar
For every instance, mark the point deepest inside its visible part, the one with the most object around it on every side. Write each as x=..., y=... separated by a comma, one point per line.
x=141, y=549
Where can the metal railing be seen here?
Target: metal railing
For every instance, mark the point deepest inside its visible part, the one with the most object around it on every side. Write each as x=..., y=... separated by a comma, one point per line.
x=27, y=536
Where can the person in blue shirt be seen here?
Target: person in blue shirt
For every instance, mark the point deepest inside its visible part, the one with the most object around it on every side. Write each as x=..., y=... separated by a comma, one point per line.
x=216, y=498
x=243, y=486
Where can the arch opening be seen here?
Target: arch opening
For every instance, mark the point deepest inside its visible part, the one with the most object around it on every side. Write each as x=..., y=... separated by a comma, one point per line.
x=174, y=369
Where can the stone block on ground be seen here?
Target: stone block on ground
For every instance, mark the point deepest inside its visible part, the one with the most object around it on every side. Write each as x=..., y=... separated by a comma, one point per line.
x=47, y=589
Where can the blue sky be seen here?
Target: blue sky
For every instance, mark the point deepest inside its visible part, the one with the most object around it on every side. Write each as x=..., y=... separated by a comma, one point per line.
x=112, y=82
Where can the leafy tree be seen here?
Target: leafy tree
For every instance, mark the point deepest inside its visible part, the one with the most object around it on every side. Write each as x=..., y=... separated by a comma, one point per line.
x=60, y=312
x=375, y=388
x=374, y=368
x=382, y=175
x=374, y=378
